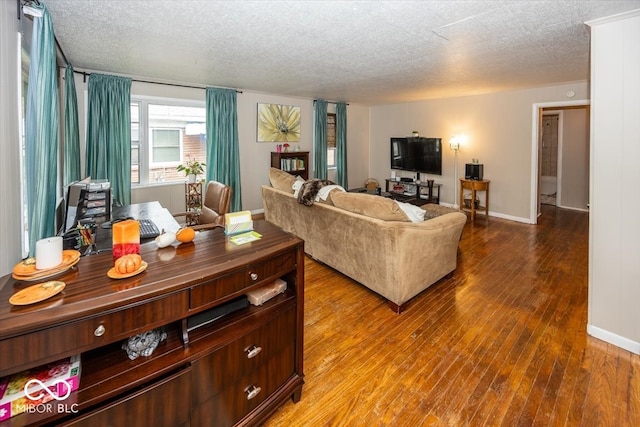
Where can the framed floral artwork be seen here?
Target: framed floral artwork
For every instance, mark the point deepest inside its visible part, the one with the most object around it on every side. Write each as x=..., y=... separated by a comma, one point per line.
x=278, y=123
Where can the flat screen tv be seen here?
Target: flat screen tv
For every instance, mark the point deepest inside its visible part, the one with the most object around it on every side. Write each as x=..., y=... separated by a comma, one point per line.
x=417, y=154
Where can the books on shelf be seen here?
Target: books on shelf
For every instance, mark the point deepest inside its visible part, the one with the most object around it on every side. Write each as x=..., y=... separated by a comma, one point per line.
x=292, y=164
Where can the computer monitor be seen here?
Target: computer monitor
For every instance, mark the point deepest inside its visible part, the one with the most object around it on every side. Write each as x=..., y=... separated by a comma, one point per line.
x=73, y=199
x=61, y=208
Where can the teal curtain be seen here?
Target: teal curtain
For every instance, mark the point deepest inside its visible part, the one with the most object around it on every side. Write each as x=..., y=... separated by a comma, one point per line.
x=341, y=144
x=71, y=135
x=320, y=139
x=109, y=134
x=223, y=158
x=41, y=131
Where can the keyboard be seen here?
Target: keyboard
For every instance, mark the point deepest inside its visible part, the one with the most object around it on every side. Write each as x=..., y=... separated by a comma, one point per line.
x=148, y=229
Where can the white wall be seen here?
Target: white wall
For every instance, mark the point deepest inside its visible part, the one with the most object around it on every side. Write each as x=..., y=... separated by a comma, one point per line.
x=10, y=223
x=614, y=278
x=498, y=127
x=575, y=159
x=254, y=156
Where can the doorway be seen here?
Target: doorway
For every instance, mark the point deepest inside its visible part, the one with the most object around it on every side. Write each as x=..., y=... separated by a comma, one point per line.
x=571, y=160
x=550, y=139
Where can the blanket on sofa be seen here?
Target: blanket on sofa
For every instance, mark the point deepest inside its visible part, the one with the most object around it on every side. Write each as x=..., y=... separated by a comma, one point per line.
x=309, y=190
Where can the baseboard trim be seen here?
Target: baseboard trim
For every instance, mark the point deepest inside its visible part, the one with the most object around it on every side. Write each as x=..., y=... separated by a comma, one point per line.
x=510, y=217
x=611, y=338
x=571, y=208
x=495, y=214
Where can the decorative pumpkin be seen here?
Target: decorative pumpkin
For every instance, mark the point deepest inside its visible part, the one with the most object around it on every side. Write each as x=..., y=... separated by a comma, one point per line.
x=128, y=263
x=185, y=235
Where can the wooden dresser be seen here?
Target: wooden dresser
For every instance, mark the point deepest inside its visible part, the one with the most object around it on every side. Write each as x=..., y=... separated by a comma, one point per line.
x=236, y=370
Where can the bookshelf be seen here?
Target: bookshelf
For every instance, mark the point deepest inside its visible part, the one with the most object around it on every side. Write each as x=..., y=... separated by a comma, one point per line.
x=295, y=163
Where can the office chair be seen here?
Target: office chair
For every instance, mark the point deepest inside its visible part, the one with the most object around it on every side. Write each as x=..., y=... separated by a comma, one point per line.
x=217, y=199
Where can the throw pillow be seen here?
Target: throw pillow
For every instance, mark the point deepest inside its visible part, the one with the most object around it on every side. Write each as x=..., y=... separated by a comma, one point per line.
x=369, y=205
x=281, y=180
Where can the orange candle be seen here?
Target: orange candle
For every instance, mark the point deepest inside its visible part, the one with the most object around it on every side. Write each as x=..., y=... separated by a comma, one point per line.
x=126, y=238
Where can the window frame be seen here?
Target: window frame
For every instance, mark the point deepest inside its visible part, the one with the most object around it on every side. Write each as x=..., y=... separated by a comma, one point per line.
x=169, y=164
x=144, y=148
x=332, y=151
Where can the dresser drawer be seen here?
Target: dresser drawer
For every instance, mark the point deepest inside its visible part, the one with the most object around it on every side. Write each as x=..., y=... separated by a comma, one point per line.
x=75, y=337
x=209, y=292
x=242, y=356
x=237, y=400
x=272, y=268
x=165, y=403
x=213, y=290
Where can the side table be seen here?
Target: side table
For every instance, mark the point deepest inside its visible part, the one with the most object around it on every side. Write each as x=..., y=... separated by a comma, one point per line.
x=475, y=186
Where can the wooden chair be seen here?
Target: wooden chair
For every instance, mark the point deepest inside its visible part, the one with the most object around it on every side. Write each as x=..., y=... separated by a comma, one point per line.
x=217, y=199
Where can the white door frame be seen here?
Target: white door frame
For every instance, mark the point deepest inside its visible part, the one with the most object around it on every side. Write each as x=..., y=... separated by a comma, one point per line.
x=535, y=127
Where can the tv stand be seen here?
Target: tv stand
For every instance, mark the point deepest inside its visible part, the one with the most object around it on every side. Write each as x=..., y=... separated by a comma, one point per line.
x=412, y=192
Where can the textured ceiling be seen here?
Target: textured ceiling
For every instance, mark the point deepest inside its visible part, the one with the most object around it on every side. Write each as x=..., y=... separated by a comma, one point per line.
x=371, y=52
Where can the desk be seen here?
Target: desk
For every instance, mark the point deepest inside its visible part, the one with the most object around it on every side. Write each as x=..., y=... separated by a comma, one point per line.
x=149, y=210
x=189, y=379
x=474, y=186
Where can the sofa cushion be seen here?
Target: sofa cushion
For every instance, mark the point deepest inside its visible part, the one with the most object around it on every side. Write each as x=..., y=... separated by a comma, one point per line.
x=369, y=205
x=281, y=180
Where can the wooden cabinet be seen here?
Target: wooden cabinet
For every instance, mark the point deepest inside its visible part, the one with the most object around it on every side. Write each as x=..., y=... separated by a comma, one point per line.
x=255, y=365
x=295, y=162
x=235, y=370
x=137, y=409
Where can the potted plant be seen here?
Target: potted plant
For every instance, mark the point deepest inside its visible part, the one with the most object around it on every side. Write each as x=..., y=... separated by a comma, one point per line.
x=191, y=169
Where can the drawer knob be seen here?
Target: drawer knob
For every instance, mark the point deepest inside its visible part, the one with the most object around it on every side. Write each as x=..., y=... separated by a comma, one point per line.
x=252, y=351
x=254, y=276
x=100, y=330
x=252, y=391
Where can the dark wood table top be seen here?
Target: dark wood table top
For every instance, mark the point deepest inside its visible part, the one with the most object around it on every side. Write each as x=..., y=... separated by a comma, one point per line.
x=90, y=291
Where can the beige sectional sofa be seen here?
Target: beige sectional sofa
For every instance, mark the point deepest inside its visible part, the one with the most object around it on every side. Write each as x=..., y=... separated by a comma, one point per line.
x=369, y=239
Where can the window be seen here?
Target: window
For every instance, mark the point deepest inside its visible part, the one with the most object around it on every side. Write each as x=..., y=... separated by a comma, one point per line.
x=331, y=141
x=165, y=147
x=165, y=134
x=135, y=142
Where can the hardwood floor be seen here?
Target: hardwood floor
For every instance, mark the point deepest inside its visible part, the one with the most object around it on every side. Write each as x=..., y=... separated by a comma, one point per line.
x=501, y=342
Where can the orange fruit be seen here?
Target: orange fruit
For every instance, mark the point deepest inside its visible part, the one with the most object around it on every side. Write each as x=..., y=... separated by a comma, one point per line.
x=185, y=235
